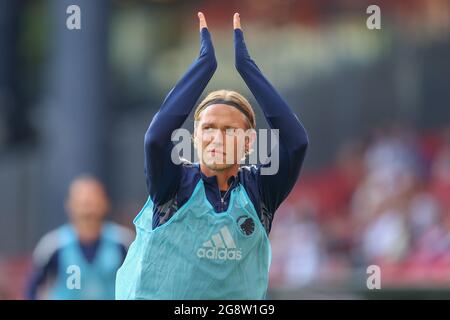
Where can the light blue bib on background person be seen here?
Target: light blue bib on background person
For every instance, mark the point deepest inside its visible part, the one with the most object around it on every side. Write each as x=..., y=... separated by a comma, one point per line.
x=97, y=279
x=198, y=253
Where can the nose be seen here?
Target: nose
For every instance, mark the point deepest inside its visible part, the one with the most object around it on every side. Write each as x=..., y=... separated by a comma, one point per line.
x=218, y=137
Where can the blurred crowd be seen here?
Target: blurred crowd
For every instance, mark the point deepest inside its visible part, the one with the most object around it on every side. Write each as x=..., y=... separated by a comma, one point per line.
x=385, y=200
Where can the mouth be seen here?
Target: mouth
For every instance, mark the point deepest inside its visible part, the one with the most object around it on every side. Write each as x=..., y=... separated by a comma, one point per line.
x=214, y=152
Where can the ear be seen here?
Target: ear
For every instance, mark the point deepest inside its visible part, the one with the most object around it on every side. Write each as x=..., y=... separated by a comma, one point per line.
x=250, y=140
x=194, y=138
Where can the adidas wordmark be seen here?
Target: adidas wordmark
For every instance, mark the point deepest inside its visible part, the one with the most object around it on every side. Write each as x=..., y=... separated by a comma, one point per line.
x=221, y=247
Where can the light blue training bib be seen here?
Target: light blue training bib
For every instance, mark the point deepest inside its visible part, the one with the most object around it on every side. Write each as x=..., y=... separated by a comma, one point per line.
x=198, y=253
x=96, y=279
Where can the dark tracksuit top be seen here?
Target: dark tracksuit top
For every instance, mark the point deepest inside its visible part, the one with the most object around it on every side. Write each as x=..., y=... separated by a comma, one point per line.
x=171, y=185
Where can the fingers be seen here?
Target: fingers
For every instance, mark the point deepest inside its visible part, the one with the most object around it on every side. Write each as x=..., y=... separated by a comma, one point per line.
x=202, y=20
x=236, y=21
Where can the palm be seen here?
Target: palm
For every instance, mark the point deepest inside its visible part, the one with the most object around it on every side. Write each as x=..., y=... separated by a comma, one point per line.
x=237, y=21
x=202, y=20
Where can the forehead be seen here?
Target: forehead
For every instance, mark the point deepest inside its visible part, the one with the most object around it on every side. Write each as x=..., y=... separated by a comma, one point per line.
x=85, y=186
x=222, y=115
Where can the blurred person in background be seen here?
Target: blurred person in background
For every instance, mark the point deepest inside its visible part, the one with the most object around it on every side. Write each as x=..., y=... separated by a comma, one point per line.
x=381, y=203
x=89, y=242
x=440, y=175
x=297, y=244
x=430, y=220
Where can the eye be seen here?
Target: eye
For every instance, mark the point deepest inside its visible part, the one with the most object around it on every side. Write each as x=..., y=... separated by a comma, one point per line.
x=208, y=130
x=231, y=131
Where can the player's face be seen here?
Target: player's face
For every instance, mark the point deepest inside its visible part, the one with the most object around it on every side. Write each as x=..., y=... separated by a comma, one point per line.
x=87, y=202
x=220, y=136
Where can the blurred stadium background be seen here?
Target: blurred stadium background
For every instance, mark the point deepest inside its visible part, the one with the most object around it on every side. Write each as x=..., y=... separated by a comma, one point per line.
x=375, y=187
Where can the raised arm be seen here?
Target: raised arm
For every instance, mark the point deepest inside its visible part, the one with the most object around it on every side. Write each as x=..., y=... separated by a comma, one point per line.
x=293, y=139
x=162, y=174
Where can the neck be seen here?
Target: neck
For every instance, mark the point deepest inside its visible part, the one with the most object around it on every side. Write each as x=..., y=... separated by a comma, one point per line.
x=222, y=175
x=88, y=232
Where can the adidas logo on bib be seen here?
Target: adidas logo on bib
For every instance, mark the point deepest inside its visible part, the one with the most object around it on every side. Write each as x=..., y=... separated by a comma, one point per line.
x=220, y=247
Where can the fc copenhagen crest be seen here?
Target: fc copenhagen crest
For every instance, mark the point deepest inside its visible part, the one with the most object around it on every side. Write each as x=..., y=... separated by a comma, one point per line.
x=246, y=225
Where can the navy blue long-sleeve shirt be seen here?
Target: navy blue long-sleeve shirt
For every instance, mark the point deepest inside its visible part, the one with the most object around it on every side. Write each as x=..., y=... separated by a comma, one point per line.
x=170, y=185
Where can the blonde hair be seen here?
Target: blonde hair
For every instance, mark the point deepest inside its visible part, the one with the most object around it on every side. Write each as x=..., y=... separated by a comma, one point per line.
x=231, y=96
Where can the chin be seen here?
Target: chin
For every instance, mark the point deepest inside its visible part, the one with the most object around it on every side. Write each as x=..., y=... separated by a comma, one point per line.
x=218, y=167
